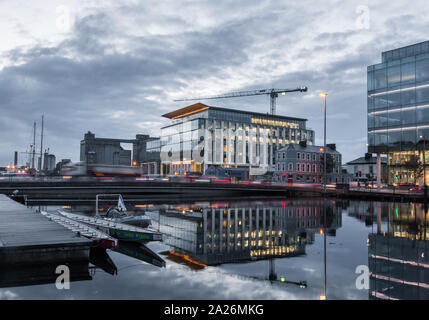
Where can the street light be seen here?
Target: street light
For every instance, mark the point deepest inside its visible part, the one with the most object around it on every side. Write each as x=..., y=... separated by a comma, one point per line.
x=323, y=95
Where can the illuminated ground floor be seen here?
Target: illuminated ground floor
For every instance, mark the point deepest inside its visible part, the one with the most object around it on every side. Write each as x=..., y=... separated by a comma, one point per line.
x=183, y=167
x=408, y=167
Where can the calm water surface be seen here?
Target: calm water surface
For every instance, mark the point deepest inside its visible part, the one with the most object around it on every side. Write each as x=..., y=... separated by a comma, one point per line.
x=253, y=250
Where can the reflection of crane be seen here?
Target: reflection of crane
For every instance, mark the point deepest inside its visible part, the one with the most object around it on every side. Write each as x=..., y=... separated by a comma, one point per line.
x=273, y=93
x=272, y=277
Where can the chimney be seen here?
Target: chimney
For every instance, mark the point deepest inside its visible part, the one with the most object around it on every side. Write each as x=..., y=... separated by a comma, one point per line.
x=303, y=144
x=15, y=161
x=332, y=146
x=368, y=156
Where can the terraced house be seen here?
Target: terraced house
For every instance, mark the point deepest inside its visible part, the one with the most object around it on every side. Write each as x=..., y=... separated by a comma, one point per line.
x=304, y=163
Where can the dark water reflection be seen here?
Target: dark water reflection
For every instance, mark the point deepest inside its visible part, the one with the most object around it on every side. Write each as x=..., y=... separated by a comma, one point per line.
x=253, y=250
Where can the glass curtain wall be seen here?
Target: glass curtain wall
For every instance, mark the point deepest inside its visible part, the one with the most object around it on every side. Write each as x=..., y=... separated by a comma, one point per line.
x=398, y=108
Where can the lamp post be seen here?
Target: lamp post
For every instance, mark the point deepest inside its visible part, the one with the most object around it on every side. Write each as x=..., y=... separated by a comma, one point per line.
x=323, y=95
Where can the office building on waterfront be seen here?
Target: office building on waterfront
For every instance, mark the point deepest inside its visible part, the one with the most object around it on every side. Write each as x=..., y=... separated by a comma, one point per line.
x=398, y=111
x=201, y=136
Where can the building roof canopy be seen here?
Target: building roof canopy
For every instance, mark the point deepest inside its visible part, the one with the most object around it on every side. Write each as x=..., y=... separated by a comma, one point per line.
x=199, y=107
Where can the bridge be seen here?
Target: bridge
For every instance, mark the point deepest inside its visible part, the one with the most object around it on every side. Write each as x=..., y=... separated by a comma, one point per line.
x=64, y=191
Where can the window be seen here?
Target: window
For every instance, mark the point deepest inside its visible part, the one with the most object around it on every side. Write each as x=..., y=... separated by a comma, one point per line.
x=422, y=70
x=393, y=75
x=308, y=168
x=298, y=167
x=308, y=156
x=290, y=166
x=284, y=155
x=298, y=155
x=408, y=73
x=380, y=79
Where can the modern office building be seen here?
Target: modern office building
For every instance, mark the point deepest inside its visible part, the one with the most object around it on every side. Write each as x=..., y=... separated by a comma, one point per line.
x=201, y=136
x=398, y=111
x=152, y=160
x=145, y=149
x=304, y=163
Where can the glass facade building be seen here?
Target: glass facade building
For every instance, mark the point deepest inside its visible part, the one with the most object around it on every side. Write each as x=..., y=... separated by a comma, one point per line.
x=243, y=231
x=201, y=136
x=398, y=108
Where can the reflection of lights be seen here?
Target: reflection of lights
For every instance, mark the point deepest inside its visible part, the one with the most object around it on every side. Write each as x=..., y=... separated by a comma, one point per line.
x=382, y=296
x=322, y=297
x=413, y=263
x=399, y=90
x=282, y=279
x=321, y=231
x=411, y=283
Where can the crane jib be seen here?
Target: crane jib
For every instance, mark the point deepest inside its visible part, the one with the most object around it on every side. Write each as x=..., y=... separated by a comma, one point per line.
x=272, y=92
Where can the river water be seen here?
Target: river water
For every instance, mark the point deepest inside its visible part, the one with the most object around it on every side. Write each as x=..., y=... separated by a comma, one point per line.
x=274, y=249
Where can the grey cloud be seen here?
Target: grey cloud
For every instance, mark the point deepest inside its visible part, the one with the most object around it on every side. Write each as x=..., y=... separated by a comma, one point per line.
x=108, y=65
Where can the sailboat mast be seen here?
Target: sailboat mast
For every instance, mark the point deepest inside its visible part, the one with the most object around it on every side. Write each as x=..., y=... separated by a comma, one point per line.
x=41, y=148
x=34, y=145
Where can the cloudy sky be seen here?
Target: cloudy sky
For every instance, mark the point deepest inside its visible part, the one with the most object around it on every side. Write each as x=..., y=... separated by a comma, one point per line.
x=114, y=67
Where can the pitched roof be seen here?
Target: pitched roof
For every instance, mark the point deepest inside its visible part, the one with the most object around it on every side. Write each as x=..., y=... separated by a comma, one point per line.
x=308, y=148
x=363, y=160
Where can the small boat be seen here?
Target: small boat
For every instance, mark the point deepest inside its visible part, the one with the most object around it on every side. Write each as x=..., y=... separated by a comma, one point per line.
x=116, y=230
x=116, y=216
x=140, y=252
x=98, y=237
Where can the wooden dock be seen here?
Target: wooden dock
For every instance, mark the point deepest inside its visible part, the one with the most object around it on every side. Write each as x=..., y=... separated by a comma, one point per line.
x=27, y=237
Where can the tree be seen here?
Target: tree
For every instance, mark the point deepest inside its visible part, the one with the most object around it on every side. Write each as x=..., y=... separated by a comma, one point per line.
x=415, y=166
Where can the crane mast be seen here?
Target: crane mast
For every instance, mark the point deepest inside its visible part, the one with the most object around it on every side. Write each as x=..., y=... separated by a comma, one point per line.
x=273, y=93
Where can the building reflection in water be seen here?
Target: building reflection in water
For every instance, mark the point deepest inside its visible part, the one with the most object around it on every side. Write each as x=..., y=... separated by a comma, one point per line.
x=398, y=257
x=231, y=232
